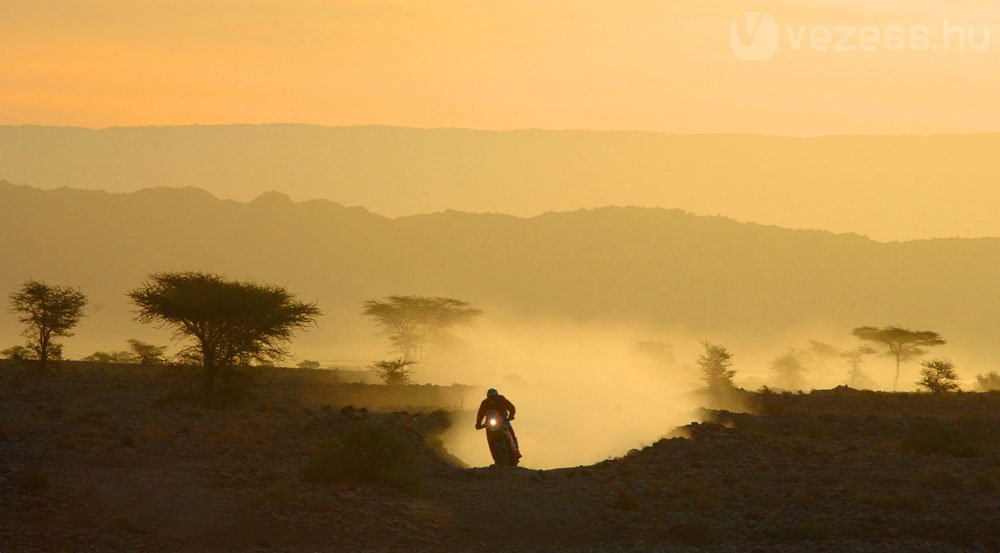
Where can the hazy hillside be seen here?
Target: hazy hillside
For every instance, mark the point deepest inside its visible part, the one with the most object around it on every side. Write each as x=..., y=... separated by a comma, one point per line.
x=886, y=187
x=709, y=275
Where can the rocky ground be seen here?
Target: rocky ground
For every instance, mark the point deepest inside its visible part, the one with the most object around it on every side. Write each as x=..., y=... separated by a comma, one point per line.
x=104, y=458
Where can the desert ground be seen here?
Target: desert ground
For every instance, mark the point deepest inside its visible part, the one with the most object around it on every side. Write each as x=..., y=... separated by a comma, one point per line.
x=111, y=458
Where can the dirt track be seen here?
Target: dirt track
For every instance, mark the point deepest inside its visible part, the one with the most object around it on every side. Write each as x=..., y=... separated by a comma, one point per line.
x=826, y=471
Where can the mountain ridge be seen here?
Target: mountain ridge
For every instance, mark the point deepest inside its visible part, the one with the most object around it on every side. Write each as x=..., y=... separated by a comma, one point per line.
x=889, y=187
x=651, y=268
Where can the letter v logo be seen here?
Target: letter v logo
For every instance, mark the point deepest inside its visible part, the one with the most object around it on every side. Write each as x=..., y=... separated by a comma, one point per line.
x=755, y=38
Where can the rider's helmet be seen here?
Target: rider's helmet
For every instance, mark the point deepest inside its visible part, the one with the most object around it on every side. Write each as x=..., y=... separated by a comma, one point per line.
x=492, y=392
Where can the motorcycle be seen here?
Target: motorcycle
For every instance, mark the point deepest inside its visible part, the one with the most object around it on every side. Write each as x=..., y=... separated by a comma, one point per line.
x=500, y=440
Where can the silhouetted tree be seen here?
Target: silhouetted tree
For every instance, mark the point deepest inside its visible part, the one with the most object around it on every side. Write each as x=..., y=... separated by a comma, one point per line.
x=989, y=382
x=230, y=322
x=307, y=364
x=47, y=312
x=901, y=343
x=817, y=357
x=788, y=368
x=413, y=322
x=660, y=352
x=716, y=366
x=17, y=353
x=938, y=376
x=148, y=354
x=394, y=372
x=855, y=359
x=111, y=357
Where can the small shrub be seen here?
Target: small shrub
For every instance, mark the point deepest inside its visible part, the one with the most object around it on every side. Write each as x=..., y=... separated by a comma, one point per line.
x=31, y=480
x=394, y=372
x=364, y=452
x=938, y=376
x=933, y=437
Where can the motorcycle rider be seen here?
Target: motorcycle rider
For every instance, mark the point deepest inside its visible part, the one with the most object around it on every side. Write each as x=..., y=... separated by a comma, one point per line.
x=496, y=402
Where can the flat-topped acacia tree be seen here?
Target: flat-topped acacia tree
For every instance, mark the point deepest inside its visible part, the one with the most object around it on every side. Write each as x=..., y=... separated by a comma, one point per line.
x=227, y=323
x=414, y=322
x=902, y=343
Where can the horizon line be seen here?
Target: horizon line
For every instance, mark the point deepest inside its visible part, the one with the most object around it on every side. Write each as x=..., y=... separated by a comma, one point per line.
x=510, y=130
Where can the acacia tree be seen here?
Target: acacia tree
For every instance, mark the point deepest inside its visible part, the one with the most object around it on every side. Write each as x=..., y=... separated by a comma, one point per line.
x=788, y=368
x=855, y=359
x=17, y=353
x=47, y=312
x=147, y=354
x=227, y=323
x=902, y=343
x=716, y=366
x=412, y=323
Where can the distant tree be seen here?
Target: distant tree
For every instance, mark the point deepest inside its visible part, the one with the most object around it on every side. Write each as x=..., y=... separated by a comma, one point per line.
x=307, y=364
x=47, y=312
x=716, y=366
x=938, y=376
x=855, y=359
x=227, y=323
x=989, y=382
x=414, y=322
x=901, y=343
x=659, y=352
x=122, y=357
x=17, y=353
x=788, y=368
x=148, y=354
x=394, y=372
x=817, y=356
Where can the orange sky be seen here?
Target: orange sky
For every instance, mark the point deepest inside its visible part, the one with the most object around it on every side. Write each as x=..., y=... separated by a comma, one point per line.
x=662, y=65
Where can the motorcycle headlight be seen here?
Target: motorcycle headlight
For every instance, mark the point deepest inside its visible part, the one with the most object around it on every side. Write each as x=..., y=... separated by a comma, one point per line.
x=493, y=422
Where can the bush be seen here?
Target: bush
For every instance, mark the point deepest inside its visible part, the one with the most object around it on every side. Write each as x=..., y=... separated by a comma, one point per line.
x=364, y=452
x=989, y=382
x=933, y=437
x=394, y=372
x=938, y=376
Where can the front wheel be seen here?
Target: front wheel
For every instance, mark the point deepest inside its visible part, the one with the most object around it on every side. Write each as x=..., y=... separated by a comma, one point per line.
x=500, y=449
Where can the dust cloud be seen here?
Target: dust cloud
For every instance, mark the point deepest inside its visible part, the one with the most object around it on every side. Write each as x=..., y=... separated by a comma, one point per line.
x=583, y=393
